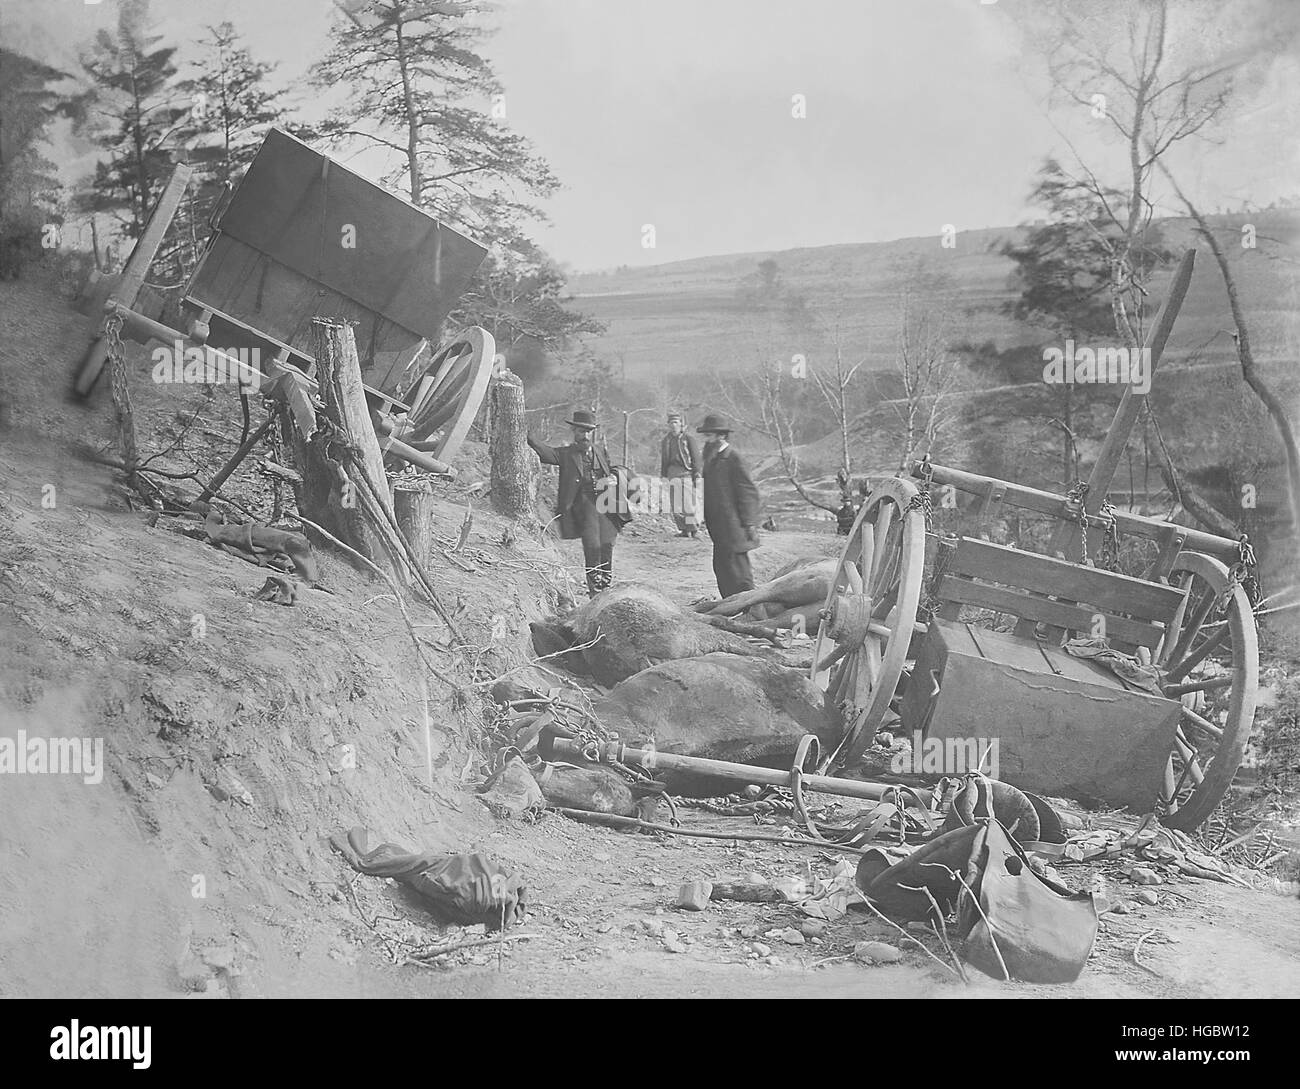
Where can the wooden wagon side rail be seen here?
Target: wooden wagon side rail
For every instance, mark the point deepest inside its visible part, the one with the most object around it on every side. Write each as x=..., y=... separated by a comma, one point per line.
x=1019, y=495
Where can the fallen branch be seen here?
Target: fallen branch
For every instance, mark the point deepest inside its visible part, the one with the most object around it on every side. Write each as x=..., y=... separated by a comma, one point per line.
x=1137, y=950
x=432, y=951
x=612, y=820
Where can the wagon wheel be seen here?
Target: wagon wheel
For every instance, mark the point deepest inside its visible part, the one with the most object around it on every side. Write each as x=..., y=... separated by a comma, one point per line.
x=870, y=615
x=449, y=393
x=1209, y=661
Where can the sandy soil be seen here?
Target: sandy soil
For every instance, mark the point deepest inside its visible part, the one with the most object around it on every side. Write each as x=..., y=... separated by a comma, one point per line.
x=200, y=865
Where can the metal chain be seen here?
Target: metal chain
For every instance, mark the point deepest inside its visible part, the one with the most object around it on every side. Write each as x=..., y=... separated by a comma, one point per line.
x=121, y=394
x=922, y=500
x=1243, y=573
x=274, y=439
x=1074, y=503
x=931, y=602
x=1110, y=537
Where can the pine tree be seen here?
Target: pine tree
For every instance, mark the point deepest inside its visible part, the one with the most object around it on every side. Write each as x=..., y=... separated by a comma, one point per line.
x=232, y=102
x=1064, y=271
x=29, y=185
x=518, y=297
x=418, y=87
x=27, y=178
x=139, y=113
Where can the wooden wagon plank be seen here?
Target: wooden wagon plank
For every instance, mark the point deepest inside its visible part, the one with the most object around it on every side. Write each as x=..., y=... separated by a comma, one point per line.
x=1057, y=613
x=1035, y=499
x=1108, y=591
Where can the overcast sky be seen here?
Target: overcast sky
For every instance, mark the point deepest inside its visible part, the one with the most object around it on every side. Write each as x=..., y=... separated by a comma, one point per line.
x=678, y=113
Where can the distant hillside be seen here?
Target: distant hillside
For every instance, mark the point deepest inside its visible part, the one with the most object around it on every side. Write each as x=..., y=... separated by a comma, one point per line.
x=684, y=316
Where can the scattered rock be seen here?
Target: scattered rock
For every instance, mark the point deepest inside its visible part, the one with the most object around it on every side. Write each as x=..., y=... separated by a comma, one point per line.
x=672, y=942
x=755, y=878
x=1147, y=896
x=658, y=882
x=876, y=953
x=813, y=928
x=750, y=932
x=791, y=936
x=341, y=758
x=775, y=962
x=694, y=895
x=1145, y=875
x=218, y=956
x=761, y=949
x=653, y=927
x=1121, y=908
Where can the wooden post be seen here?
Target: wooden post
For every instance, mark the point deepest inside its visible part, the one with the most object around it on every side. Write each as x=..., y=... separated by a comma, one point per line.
x=414, y=510
x=514, y=465
x=334, y=489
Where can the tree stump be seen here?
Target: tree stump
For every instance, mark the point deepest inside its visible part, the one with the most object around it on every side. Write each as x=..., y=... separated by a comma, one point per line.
x=334, y=489
x=414, y=510
x=514, y=465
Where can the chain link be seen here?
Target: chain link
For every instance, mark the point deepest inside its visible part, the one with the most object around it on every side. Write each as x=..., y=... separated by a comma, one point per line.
x=121, y=393
x=922, y=500
x=1110, y=537
x=1243, y=573
x=1074, y=504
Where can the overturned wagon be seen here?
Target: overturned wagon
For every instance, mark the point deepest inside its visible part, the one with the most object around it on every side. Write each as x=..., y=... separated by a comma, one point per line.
x=302, y=237
x=1134, y=691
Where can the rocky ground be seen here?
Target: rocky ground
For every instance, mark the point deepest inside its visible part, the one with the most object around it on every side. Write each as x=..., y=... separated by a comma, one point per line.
x=239, y=735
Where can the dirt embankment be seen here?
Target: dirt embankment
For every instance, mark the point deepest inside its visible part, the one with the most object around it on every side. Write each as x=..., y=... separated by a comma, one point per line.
x=239, y=734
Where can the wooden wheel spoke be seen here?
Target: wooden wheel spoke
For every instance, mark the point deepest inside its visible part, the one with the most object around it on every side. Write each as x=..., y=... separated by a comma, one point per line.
x=1183, y=667
x=1202, y=724
x=871, y=660
x=880, y=536
x=830, y=659
x=1192, y=628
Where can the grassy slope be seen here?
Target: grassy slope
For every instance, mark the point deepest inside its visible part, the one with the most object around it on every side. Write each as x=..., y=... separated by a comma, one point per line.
x=684, y=315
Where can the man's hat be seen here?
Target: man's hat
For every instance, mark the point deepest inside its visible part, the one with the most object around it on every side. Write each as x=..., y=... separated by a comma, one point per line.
x=714, y=422
x=583, y=418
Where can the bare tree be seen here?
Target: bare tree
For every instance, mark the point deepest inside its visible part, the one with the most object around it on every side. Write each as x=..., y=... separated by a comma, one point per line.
x=1118, y=61
x=1249, y=372
x=764, y=409
x=1158, y=75
x=928, y=370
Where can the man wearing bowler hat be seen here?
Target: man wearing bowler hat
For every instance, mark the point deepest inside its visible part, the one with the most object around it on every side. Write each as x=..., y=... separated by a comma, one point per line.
x=731, y=507
x=586, y=481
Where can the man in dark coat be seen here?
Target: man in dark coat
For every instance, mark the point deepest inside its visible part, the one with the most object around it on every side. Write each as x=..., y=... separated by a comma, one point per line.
x=679, y=465
x=586, y=480
x=731, y=508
